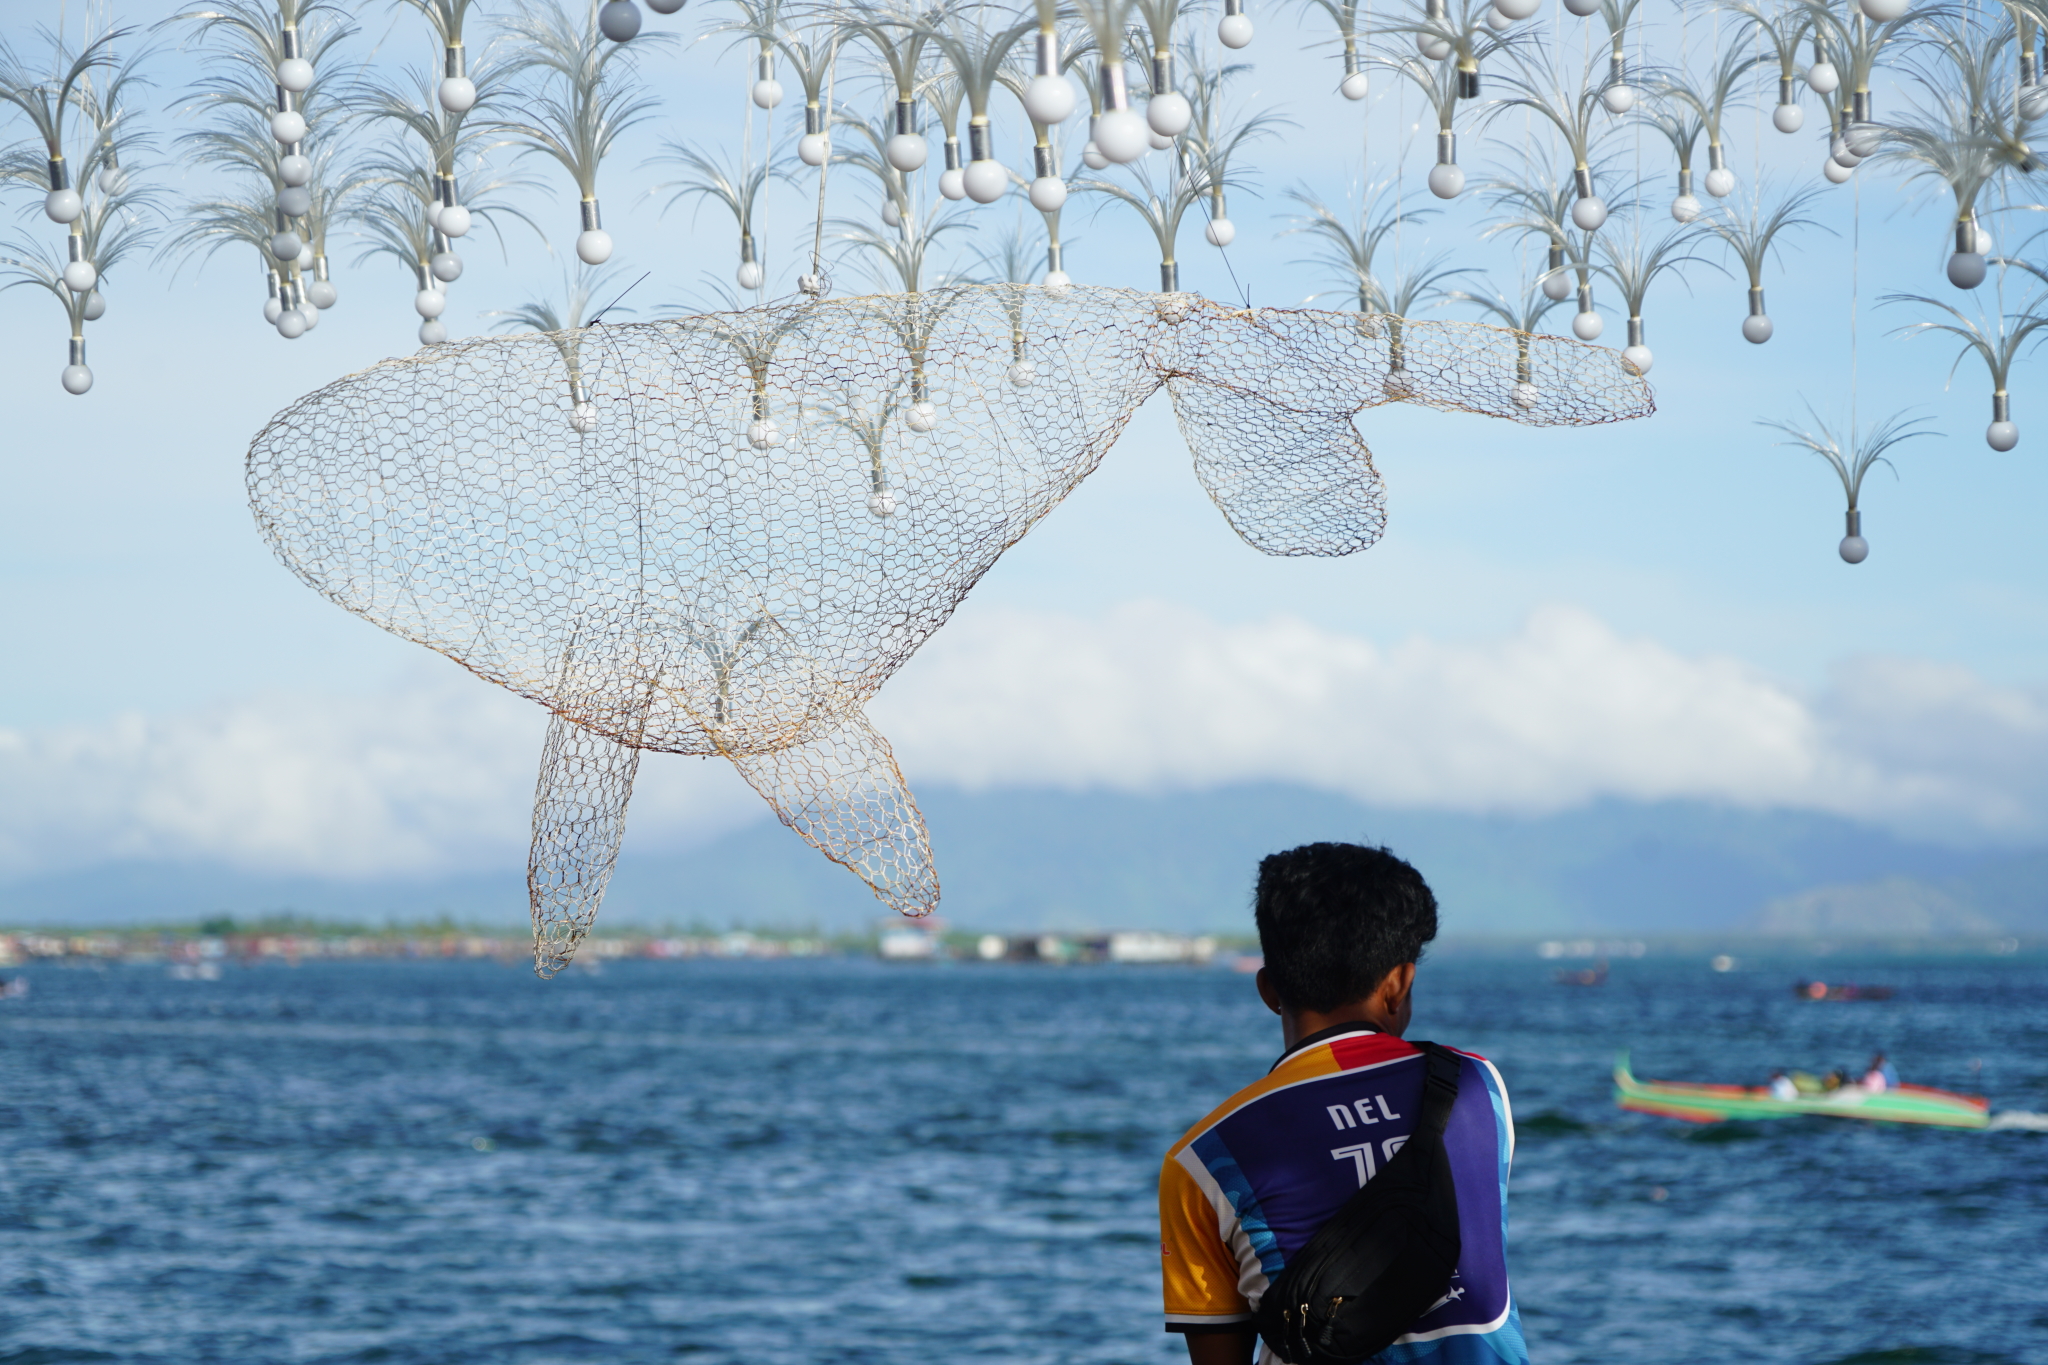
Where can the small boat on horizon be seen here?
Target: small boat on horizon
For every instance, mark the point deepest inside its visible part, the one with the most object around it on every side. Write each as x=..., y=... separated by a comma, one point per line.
x=1696, y=1103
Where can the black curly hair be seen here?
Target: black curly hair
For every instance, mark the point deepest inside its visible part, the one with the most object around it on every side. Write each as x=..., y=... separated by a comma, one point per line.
x=1334, y=919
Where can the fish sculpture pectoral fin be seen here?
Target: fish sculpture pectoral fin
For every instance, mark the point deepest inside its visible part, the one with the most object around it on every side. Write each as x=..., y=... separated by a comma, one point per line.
x=842, y=791
x=1290, y=481
x=579, y=817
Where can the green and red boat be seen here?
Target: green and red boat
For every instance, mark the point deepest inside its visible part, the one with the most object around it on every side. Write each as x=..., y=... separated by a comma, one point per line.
x=1713, y=1103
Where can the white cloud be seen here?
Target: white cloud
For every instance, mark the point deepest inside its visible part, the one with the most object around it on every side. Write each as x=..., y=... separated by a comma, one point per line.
x=1563, y=712
x=438, y=775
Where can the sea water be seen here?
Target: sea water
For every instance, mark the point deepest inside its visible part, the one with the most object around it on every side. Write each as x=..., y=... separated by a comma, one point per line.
x=846, y=1161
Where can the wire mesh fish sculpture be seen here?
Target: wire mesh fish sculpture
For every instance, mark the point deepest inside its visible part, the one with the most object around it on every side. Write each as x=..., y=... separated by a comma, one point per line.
x=721, y=534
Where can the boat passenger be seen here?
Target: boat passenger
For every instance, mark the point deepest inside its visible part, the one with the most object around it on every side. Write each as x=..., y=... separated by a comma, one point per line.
x=1782, y=1087
x=1342, y=928
x=1881, y=1075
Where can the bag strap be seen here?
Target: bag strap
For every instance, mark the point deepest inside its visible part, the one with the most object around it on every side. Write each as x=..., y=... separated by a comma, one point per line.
x=1439, y=1089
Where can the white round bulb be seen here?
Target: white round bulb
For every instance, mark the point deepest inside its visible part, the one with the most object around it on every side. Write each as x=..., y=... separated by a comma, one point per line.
x=322, y=294
x=922, y=417
x=1048, y=193
x=77, y=379
x=1446, y=181
x=665, y=6
x=985, y=181
x=1836, y=172
x=1021, y=373
x=429, y=303
x=310, y=313
x=1497, y=21
x=1636, y=360
x=63, y=206
x=1685, y=208
x=906, y=151
x=1864, y=138
x=1720, y=182
x=892, y=215
x=273, y=308
x=288, y=126
x=291, y=324
x=1822, y=78
x=1884, y=11
x=295, y=200
x=1355, y=86
x=455, y=221
x=1983, y=241
x=750, y=275
x=1049, y=99
x=1092, y=157
x=1757, y=329
x=767, y=94
x=1557, y=286
x=95, y=306
x=764, y=434
x=1965, y=270
x=813, y=148
x=295, y=74
x=953, y=184
x=112, y=180
x=446, y=267
x=1157, y=142
x=1220, y=232
x=295, y=170
x=1527, y=396
x=458, y=94
x=1518, y=9
x=1582, y=8
x=583, y=417
x=1058, y=281
x=80, y=276
x=2034, y=101
x=593, y=246
x=1618, y=98
x=305, y=259
x=286, y=246
x=1121, y=135
x=2002, y=436
x=1853, y=549
x=619, y=20
x=1788, y=118
x=1169, y=113
x=1588, y=326
x=1234, y=31
x=1433, y=47
x=1589, y=213
x=881, y=503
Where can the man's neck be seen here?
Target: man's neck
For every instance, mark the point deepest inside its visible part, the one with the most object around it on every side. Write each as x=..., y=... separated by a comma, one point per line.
x=1296, y=1025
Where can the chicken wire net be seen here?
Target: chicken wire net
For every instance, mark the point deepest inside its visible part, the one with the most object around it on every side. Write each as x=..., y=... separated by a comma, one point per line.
x=720, y=534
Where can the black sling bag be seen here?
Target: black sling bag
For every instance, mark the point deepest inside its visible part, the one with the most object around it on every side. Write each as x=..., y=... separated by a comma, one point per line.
x=1382, y=1260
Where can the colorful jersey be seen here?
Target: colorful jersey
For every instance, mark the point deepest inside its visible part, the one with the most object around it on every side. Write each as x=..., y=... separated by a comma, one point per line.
x=1249, y=1185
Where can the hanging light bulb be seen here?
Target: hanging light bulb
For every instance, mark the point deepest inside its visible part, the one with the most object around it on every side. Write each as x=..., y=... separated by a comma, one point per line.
x=1884, y=11
x=1120, y=132
x=1822, y=78
x=583, y=417
x=763, y=434
x=295, y=74
x=457, y=92
x=429, y=303
x=1220, y=232
x=1589, y=213
x=985, y=180
x=1527, y=396
x=63, y=205
x=1966, y=270
x=619, y=20
x=665, y=6
x=1446, y=178
x=892, y=215
x=1498, y=22
x=1836, y=172
x=304, y=260
x=446, y=265
x=95, y=306
x=1854, y=549
x=1234, y=29
x=1685, y=208
x=79, y=274
x=291, y=324
x=77, y=376
x=881, y=504
x=1635, y=357
x=767, y=91
x=593, y=244
x=1582, y=8
x=1057, y=281
x=2002, y=435
x=1355, y=85
x=295, y=200
x=1756, y=328
x=295, y=170
x=323, y=294
x=1587, y=326
x=1788, y=117
x=1048, y=193
x=905, y=150
x=923, y=416
x=1168, y=112
x=454, y=221
x=1021, y=374
x=288, y=126
x=1049, y=98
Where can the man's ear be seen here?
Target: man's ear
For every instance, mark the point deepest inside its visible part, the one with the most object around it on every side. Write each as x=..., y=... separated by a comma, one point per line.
x=1266, y=991
x=1394, y=989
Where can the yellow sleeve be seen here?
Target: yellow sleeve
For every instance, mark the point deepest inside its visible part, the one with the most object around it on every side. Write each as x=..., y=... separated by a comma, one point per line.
x=1198, y=1271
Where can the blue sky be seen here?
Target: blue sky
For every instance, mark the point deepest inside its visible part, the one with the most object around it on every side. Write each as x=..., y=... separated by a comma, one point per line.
x=135, y=592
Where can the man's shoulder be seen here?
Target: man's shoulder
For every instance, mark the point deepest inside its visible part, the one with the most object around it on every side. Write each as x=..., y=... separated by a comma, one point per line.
x=1346, y=1055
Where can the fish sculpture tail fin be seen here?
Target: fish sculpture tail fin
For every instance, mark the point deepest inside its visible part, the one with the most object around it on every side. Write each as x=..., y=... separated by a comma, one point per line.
x=843, y=793
x=579, y=817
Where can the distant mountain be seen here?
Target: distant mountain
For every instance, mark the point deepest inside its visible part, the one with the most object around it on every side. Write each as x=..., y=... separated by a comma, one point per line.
x=1044, y=859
